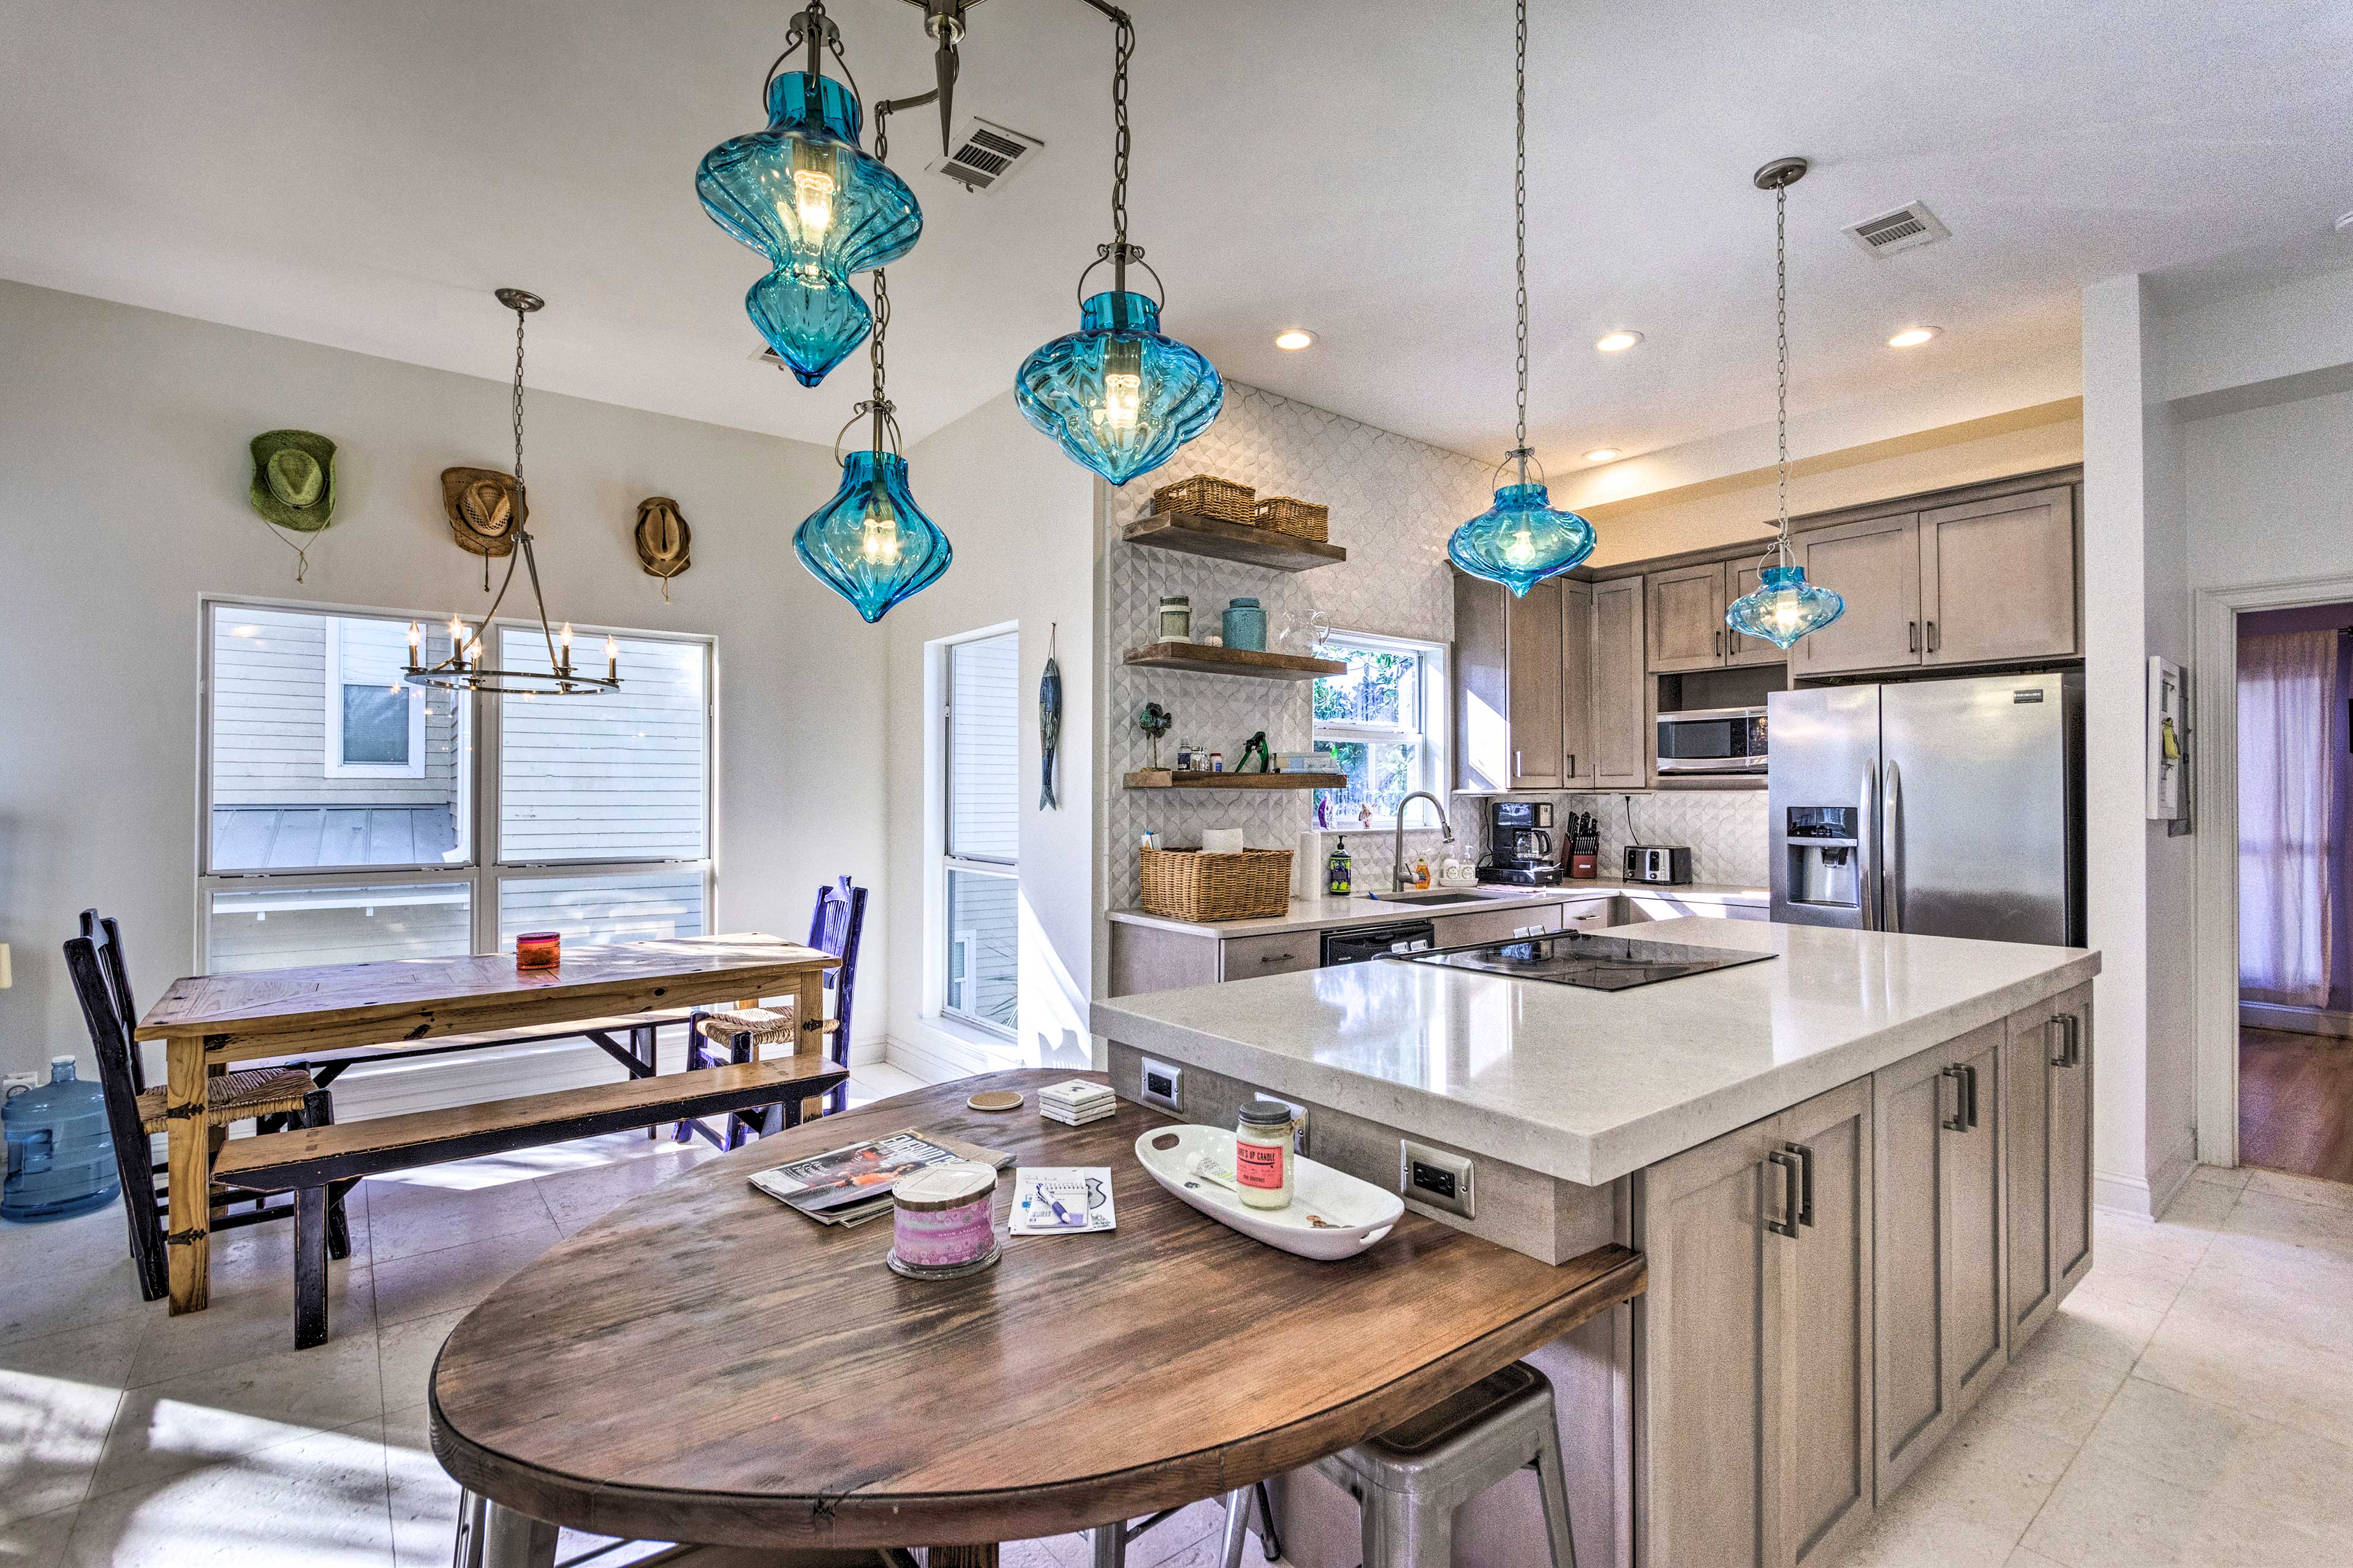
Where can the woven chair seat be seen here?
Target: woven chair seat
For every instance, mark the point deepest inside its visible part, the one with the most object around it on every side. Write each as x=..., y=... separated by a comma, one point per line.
x=765, y=1025
x=237, y=1097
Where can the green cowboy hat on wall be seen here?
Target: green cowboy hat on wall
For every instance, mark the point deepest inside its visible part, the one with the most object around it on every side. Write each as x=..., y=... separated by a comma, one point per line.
x=294, y=479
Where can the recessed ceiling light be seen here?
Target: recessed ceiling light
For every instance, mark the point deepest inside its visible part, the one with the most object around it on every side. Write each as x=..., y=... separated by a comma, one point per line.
x=1294, y=339
x=1913, y=337
x=1619, y=341
x=1602, y=455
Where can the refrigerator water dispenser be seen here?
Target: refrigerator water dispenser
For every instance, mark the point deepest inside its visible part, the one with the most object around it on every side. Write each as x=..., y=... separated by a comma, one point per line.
x=1825, y=869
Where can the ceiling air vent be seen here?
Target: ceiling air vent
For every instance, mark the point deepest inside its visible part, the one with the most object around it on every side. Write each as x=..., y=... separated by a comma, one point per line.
x=986, y=155
x=1903, y=229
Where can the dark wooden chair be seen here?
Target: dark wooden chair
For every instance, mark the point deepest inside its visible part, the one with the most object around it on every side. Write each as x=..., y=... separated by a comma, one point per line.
x=836, y=926
x=272, y=1098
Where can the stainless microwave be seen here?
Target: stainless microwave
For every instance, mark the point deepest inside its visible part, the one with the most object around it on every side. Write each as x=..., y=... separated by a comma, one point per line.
x=1712, y=740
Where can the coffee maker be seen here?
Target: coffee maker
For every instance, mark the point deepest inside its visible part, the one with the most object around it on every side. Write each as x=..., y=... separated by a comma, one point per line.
x=1519, y=845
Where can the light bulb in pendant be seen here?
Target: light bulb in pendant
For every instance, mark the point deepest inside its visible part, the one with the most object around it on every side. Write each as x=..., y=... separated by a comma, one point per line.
x=879, y=534
x=1122, y=385
x=1522, y=550
x=814, y=183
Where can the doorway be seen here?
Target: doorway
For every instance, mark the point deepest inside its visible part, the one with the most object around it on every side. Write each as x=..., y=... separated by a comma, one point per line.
x=2294, y=777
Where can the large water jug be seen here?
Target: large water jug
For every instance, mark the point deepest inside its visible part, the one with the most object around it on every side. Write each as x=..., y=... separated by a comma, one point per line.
x=60, y=1152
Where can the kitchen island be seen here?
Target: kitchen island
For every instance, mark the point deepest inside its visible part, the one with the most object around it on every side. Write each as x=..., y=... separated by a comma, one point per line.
x=1859, y=1171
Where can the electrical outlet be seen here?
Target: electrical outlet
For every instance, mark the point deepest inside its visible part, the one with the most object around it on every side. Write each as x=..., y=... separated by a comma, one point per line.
x=1298, y=1123
x=1436, y=1178
x=1163, y=1086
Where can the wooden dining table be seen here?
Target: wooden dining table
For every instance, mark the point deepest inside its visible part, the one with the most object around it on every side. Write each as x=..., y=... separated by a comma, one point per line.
x=704, y=1365
x=209, y=1021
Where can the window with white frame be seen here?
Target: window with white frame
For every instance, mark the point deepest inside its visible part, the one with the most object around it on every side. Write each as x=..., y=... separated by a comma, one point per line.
x=981, y=789
x=1383, y=724
x=340, y=827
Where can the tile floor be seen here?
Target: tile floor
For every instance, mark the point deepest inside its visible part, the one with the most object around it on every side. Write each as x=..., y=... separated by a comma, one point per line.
x=2192, y=1404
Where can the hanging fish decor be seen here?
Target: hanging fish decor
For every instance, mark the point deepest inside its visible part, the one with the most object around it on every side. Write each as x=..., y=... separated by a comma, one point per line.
x=1050, y=721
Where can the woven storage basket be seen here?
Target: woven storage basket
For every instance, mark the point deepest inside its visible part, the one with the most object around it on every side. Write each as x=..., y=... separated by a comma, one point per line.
x=1299, y=518
x=1206, y=495
x=1188, y=885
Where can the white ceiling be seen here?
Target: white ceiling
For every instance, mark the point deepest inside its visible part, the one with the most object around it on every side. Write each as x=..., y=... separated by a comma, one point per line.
x=364, y=174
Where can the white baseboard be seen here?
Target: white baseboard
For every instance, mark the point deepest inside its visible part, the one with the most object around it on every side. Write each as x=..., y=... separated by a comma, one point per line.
x=935, y=1061
x=2122, y=1194
x=2295, y=1020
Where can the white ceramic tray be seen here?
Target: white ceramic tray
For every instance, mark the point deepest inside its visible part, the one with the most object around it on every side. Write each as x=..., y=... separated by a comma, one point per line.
x=1332, y=1214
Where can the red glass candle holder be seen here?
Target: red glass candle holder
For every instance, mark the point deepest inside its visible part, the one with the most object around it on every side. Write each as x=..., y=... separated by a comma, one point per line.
x=539, y=950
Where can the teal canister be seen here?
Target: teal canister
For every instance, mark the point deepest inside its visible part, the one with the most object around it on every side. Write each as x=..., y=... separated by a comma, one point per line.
x=60, y=1150
x=1245, y=625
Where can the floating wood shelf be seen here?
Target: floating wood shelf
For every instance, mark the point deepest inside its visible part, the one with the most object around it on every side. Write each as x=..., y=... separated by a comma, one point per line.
x=1246, y=543
x=1164, y=778
x=1207, y=660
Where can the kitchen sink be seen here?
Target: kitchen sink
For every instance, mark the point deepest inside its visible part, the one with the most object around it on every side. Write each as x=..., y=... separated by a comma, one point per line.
x=1463, y=896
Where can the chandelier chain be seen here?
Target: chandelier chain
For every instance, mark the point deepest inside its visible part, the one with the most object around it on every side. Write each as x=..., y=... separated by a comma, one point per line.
x=1520, y=221
x=1122, y=48
x=882, y=283
x=518, y=407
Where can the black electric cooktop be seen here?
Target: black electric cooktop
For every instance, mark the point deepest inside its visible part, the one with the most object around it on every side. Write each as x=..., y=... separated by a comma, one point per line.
x=1595, y=962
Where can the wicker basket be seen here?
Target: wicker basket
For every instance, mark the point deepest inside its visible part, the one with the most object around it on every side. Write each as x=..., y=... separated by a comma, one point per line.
x=1299, y=518
x=1206, y=495
x=1188, y=885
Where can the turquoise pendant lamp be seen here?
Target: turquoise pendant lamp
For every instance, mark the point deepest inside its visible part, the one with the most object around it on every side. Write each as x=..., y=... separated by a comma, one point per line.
x=803, y=194
x=1523, y=539
x=1783, y=606
x=1118, y=395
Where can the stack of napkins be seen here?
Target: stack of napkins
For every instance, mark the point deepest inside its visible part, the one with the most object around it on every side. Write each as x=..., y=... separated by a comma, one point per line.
x=1076, y=1102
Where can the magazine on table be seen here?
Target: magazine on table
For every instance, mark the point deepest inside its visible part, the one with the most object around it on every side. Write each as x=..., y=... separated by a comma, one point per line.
x=846, y=1185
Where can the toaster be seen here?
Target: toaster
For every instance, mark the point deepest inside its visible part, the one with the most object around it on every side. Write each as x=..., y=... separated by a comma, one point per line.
x=1667, y=863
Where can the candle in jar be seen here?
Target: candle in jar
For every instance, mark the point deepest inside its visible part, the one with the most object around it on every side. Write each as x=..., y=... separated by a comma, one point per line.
x=943, y=1220
x=1262, y=1155
x=539, y=950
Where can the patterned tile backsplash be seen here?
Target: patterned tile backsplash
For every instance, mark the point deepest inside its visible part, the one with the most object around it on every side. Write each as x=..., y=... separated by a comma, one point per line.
x=1726, y=831
x=1394, y=501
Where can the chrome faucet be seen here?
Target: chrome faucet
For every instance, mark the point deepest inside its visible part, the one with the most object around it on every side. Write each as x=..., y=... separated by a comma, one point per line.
x=1445, y=829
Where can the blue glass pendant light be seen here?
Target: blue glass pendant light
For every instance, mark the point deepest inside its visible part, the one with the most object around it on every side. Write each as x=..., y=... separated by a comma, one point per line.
x=804, y=195
x=1784, y=607
x=872, y=543
x=1118, y=395
x=1523, y=539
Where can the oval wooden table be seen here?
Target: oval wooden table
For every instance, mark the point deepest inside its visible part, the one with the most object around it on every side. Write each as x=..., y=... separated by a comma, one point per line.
x=704, y=1365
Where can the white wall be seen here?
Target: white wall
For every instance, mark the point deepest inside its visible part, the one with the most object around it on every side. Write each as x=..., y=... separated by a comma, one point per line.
x=123, y=469
x=988, y=476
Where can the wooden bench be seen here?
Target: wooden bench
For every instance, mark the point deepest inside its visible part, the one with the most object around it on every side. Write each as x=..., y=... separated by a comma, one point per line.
x=306, y=1160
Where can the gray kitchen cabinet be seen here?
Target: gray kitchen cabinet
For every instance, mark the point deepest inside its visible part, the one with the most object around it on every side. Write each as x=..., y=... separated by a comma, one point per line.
x=1509, y=665
x=1493, y=925
x=1997, y=579
x=1576, y=682
x=1687, y=631
x=1625, y=742
x=1875, y=565
x=2047, y=1110
x=1591, y=914
x=1941, y=1337
x=1752, y=1443
x=1246, y=958
x=1684, y=612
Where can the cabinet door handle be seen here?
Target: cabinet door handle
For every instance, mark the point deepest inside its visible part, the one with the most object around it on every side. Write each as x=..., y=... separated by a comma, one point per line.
x=1572, y=764
x=1932, y=637
x=2056, y=1021
x=1277, y=957
x=1972, y=1071
x=2073, y=1028
x=1912, y=637
x=1790, y=1198
x=1517, y=771
x=1719, y=644
x=1806, y=1173
x=1958, y=1122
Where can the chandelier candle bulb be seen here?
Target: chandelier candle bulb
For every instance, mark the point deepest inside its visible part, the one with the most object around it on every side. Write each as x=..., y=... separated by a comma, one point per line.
x=416, y=641
x=943, y=1221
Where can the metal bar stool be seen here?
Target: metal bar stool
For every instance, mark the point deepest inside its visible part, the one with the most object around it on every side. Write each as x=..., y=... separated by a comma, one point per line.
x=1110, y=1541
x=1410, y=1479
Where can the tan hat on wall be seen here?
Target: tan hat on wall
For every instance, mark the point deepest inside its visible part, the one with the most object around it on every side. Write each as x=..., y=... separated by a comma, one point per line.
x=663, y=540
x=481, y=507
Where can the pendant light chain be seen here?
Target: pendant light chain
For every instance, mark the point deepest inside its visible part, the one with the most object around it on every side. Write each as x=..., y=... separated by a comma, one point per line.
x=882, y=406
x=1781, y=356
x=1122, y=48
x=1520, y=224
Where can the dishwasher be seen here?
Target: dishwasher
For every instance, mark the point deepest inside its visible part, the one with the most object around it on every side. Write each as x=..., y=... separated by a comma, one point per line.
x=1362, y=944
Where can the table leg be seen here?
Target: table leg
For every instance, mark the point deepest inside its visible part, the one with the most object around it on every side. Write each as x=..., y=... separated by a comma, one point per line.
x=809, y=1018
x=981, y=1556
x=188, y=1153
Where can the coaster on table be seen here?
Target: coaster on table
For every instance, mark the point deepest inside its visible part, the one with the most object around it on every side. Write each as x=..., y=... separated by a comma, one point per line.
x=1077, y=1118
x=1075, y=1094
x=994, y=1100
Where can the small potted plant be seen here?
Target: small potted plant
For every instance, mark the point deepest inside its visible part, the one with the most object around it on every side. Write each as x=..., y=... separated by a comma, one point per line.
x=1155, y=721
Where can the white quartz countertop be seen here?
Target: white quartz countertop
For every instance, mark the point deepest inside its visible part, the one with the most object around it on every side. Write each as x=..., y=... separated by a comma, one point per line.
x=1588, y=1086
x=1327, y=914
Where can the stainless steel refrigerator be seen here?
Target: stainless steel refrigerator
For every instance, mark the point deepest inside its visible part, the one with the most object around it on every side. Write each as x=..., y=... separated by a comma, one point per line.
x=1942, y=807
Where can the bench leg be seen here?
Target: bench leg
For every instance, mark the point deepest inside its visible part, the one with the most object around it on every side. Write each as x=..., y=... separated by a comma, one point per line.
x=472, y=1510
x=511, y=1540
